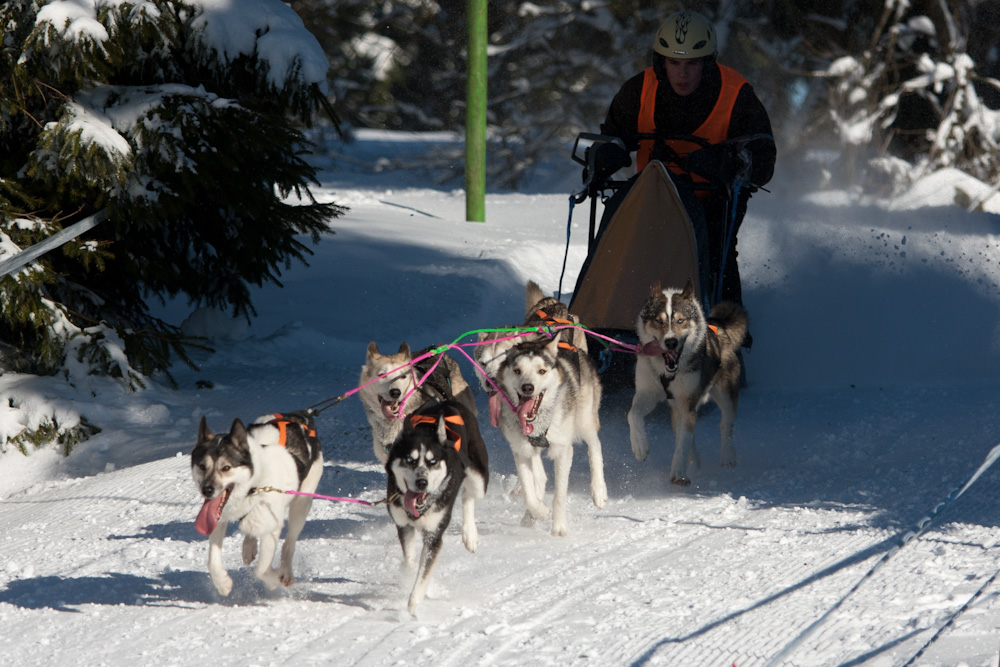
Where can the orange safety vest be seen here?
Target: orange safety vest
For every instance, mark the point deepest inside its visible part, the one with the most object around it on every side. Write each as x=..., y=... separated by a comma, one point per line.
x=715, y=129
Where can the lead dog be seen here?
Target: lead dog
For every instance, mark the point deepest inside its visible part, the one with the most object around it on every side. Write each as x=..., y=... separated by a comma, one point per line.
x=686, y=360
x=242, y=476
x=440, y=451
x=389, y=391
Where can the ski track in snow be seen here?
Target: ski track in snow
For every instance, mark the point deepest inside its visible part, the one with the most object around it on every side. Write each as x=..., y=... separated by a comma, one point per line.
x=683, y=578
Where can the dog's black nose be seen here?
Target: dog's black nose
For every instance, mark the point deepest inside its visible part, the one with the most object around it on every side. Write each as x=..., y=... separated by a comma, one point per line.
x=670, y=344
x=527, y=388
x=421, y=484
x=208, y=490
x=394, y=393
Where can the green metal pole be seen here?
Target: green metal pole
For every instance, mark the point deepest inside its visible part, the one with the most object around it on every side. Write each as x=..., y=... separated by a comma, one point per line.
x=475, y=114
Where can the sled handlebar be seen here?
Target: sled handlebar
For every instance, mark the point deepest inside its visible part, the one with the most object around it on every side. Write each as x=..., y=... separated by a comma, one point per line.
x=589, y=160
x=595, y=181
x=593, y=139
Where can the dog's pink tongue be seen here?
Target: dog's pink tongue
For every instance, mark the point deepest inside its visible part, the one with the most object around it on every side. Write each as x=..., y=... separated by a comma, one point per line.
x=522, y=413
x=389, y=411
x=495, y=409
x=410, y=502
x=208, y=517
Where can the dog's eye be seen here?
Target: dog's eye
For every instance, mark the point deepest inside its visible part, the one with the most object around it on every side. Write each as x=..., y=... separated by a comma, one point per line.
x=202, y=467
x=432, y=461
x=542, y=371
x=680, y=320
x=226, y=468
x=517, y=371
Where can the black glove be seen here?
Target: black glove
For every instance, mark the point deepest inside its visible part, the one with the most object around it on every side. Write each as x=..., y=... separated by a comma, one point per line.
x=720, y=163
x=603, y=160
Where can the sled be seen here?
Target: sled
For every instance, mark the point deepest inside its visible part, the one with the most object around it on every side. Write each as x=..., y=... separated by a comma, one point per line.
x=649, y=238
x=656, y=233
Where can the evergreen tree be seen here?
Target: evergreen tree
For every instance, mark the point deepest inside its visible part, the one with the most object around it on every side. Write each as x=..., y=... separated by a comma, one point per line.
x=179, y=121
x=902, y=94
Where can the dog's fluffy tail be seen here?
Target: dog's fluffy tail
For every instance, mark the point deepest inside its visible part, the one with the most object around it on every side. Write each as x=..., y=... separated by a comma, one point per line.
x=532, y=294
x=733, y=323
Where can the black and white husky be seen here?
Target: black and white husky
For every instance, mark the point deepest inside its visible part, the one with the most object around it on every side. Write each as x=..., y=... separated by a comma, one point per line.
x=557, y=392
x=389, y=390
x=439, y=452
x=243, y=476
x=686, y=359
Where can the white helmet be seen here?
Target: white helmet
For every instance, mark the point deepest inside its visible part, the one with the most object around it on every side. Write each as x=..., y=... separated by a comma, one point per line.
x=686, y=35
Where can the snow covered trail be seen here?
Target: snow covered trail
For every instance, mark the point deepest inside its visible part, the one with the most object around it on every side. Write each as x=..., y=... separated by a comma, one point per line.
x=844, y=441
x=728, y=572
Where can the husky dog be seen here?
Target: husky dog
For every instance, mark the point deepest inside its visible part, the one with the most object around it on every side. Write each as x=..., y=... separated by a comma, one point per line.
x=439, y=452
x=243, y=476
x=685, y=360
x=542, y=311
x=548, y=311
x=388, y=395
x=558, y=393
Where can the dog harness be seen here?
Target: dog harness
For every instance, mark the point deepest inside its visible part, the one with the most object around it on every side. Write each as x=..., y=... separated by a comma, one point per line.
x=539, y=441
x=550, y=321
x=282, y=421
x=454, y=434
x=555, y=321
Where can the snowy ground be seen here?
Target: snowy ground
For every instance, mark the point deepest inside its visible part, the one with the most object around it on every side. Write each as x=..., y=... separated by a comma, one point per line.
x=874, y=393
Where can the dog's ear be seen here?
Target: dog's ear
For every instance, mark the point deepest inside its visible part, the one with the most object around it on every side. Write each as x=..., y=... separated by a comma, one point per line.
x=373, y=350
x=688, y=290
x=407, y=424
x=553, y=346
x=442, y=432
x=656, y=290
x=404, y=349
x=204, y=435
x=238, y=433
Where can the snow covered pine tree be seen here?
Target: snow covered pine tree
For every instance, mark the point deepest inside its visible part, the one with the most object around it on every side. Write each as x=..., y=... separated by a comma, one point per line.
x=181, y=122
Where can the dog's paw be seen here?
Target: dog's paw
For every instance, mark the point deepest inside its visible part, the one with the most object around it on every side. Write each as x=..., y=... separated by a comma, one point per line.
x=270, y=579
x=540, y=511
x=223, y=584
x=527, y=521
x=470, y=538
x=728, y=456
x=286, y=577
x=640, y=450
x=249, y=549
x=599, y=492
x=680, y=480
x=559, y=528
